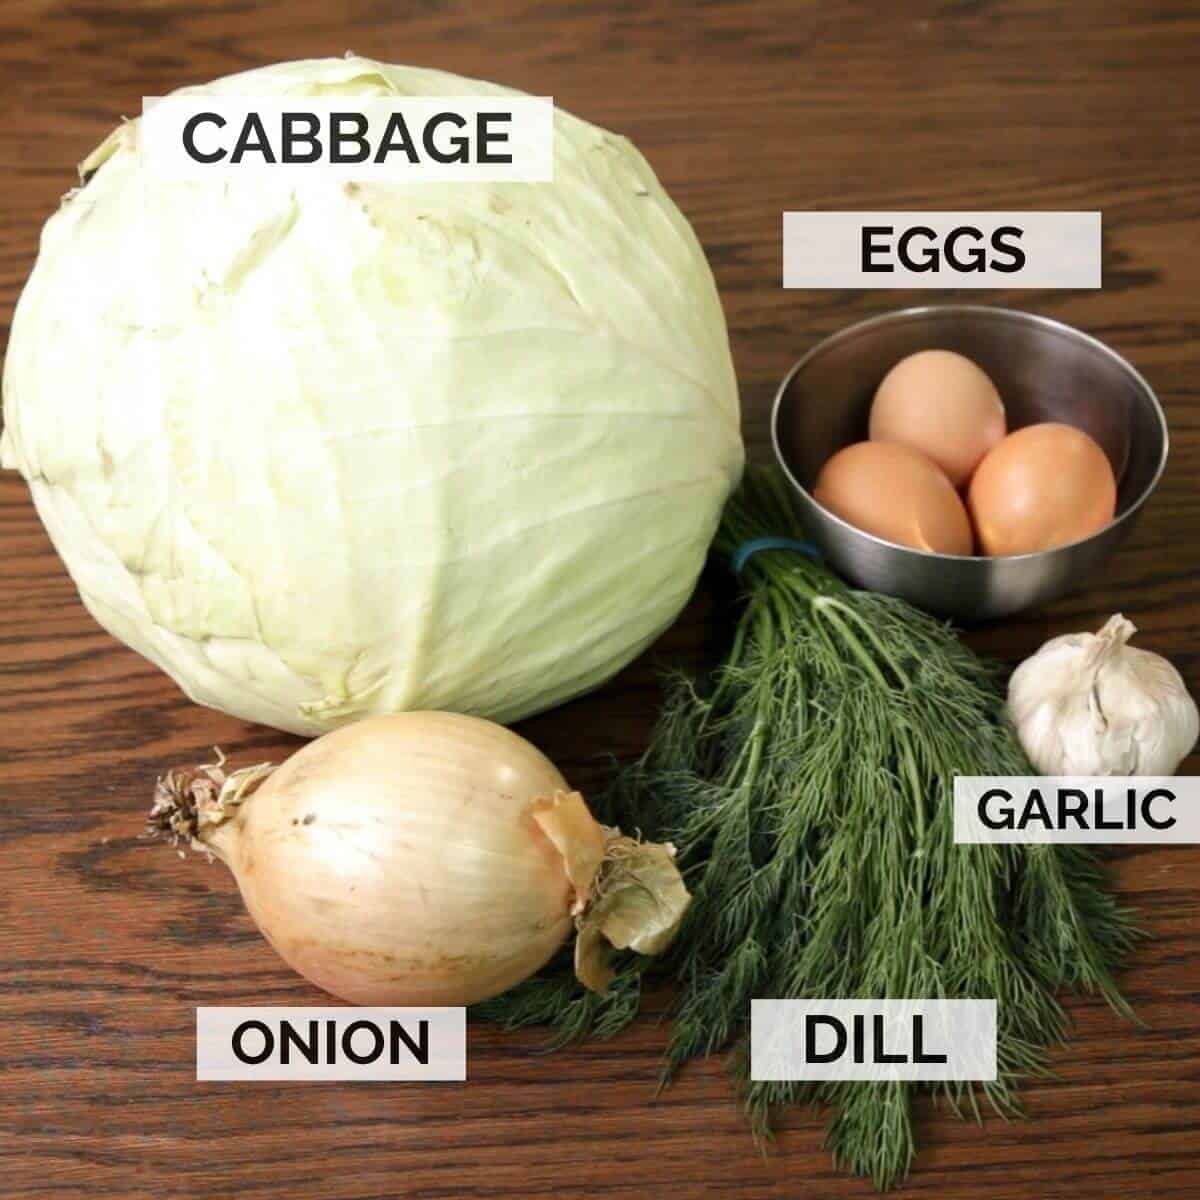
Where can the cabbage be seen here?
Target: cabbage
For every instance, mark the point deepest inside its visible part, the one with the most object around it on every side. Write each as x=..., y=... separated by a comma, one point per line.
x=336, y=449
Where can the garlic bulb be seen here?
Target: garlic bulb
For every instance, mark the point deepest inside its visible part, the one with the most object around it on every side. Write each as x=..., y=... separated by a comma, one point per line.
x=425, y=858
x=1090, y=704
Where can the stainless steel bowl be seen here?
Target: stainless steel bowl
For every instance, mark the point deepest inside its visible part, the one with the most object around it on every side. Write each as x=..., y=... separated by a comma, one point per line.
x=1044, y=370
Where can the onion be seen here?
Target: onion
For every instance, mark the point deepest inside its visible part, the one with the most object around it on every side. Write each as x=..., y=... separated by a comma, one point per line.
x=424, y=858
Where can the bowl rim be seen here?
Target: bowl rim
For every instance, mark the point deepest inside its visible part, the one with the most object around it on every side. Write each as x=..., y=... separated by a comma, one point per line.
x=916, y=311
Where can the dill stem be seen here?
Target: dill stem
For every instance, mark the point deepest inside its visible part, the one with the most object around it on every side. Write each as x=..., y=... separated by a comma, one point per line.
x=880, y=649
x=823, y=607
x=761, y=723
x=916, y=792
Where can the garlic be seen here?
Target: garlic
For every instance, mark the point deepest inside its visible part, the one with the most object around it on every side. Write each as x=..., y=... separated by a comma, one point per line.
x=1090, y=704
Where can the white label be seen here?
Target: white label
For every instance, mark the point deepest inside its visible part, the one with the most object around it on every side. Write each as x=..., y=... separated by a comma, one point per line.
x=331, y=1043
x=878, y=1040
x=1088, y=809
x=941, y=249
x=412, y=139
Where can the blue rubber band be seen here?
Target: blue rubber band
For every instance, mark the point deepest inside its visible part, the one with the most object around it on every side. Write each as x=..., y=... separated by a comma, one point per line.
x=747, y=550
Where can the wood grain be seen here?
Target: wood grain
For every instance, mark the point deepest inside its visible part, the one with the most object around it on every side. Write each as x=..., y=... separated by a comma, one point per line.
x=745, y=109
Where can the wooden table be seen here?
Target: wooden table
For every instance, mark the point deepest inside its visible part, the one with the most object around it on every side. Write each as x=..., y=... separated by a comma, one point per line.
x=745, y=109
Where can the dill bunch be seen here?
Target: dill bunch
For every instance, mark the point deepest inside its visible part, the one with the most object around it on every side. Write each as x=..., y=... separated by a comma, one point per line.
x=808, y=788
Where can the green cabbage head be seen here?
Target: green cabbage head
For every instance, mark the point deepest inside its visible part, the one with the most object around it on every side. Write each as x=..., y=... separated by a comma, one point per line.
x=333, y=449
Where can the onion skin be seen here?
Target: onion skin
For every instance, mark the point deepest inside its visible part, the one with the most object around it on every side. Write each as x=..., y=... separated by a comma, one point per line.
x=378, y=894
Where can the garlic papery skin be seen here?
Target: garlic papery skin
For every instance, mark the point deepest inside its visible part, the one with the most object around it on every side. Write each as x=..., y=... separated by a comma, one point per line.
x=1091, y=704
x=424, y=858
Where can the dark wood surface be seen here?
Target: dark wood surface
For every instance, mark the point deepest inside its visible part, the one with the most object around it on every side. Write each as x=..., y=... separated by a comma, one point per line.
x=745, y=109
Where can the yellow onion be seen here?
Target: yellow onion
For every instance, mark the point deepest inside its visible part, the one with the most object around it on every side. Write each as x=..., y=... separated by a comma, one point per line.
x=424, y=859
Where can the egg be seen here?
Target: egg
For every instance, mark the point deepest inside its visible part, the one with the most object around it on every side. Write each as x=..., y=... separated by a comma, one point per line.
x=897, y=494
x=1042, y=486
x=943, y=405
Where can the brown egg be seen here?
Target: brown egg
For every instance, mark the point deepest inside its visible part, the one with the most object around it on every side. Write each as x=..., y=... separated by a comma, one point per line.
x=896, y=494
x=943, y=405
x=1043, y=486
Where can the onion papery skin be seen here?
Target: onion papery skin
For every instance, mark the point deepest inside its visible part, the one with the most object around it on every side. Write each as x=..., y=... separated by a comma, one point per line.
x=395, y=861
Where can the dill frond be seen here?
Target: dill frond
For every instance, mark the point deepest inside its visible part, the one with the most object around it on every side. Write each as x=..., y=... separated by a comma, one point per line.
x=808, y=788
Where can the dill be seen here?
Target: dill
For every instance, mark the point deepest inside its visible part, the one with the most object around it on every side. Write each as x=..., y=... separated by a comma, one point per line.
x=808, y=787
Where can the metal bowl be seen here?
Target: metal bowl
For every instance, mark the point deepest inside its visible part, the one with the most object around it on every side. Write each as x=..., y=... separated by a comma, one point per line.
x=1044, y=370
